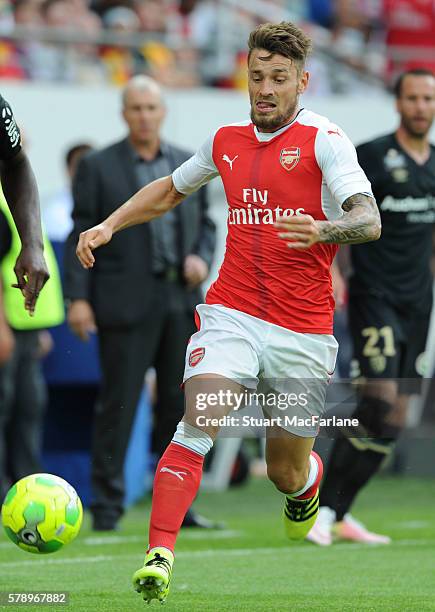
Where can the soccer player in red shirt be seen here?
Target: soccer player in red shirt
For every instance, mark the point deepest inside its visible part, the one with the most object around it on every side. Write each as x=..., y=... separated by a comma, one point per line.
x=295, y=191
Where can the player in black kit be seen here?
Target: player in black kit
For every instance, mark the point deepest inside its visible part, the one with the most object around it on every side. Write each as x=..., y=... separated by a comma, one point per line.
x=21, y=193
x=390, y=301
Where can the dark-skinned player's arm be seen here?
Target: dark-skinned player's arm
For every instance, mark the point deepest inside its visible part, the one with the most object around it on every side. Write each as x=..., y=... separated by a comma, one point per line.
x=21, y=193
x=151, y=201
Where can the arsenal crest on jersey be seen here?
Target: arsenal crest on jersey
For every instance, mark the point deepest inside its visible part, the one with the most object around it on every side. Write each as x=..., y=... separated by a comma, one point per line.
x=196, y=356
x=290, y=157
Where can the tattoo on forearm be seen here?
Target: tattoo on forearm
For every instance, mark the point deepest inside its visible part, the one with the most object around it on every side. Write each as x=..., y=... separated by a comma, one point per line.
x=361, y=222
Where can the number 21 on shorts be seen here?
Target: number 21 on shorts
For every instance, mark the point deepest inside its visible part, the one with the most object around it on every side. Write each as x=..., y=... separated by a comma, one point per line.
x=373, y=335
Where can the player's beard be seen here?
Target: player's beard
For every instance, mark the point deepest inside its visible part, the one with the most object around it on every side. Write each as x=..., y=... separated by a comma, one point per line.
x=264, y=122
x=409, y=126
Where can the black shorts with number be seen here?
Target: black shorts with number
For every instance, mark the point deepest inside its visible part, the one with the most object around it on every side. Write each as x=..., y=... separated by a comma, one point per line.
x=389, y=341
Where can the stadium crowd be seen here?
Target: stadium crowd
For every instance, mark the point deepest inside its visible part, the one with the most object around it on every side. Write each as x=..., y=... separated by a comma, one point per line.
x=187, y=43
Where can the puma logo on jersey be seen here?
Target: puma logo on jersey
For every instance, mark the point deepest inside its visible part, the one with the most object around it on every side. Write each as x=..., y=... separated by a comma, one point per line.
x=334, y=132
x=228, y=160
x=177, y=474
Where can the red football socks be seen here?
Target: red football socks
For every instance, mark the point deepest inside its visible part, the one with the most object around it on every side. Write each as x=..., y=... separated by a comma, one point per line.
x=176, y=483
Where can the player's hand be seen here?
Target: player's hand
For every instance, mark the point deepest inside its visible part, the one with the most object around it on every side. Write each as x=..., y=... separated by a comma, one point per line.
x=195, y=270
x=32, y=274
x=81, y=320
x=7, y=342
x=90, y=240
x=299, y=231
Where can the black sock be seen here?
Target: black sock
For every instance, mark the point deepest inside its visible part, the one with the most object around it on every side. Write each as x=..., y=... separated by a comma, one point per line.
x=350, y=468
x=332, y=492
x=354, y=460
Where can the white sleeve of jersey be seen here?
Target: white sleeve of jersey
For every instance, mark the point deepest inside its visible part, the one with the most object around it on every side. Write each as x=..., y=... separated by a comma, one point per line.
x=338, y=162
x=197, y=170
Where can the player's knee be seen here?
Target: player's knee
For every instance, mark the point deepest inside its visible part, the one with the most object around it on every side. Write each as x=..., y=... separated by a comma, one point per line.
x=385, y=390
x=286, y=479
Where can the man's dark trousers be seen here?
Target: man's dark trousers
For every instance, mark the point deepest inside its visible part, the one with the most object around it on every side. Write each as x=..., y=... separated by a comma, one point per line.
x=126, y=353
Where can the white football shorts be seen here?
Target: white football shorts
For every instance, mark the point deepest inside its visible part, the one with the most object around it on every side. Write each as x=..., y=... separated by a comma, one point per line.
x=268, y=359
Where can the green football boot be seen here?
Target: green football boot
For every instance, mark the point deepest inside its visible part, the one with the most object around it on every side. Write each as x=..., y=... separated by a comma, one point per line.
x=153, y=579
x=300, y=515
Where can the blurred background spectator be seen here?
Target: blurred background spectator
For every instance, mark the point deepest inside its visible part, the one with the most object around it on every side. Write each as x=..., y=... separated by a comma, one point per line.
x=187, y=43
x=410, y=35
x=142, y=293
x=57, y=209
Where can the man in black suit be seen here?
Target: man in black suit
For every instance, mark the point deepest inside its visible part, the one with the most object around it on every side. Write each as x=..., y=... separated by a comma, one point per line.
x=142, y=293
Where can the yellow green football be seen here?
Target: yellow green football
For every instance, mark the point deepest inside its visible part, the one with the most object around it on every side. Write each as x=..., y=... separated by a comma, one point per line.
x=41, y=513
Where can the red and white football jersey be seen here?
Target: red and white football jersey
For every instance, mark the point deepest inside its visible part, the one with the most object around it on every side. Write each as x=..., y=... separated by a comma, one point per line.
x=307, y=167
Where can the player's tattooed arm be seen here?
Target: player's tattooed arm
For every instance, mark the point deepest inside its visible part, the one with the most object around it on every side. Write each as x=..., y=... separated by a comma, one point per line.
x=361, y=222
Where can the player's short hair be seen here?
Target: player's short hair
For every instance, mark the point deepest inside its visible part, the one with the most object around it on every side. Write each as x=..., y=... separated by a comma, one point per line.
x=79, y=150
x=397, y=89
x=284, y=38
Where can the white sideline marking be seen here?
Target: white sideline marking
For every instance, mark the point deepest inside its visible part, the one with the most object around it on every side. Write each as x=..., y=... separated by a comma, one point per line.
x=114, y=539
x=185, y=535
x=232, y=552
x=222, y=534
x=412, y=524
x=37, y=561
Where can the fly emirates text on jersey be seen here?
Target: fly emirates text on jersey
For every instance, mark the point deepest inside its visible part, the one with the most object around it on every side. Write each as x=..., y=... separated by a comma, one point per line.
x=256, y=211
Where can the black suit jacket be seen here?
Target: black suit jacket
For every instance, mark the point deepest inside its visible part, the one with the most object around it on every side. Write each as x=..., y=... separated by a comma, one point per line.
x=121, y=283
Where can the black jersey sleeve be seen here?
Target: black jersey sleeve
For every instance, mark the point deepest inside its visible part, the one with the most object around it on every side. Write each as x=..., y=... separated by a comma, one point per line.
x=10, y=138
x=370, y=159
x=367, y=158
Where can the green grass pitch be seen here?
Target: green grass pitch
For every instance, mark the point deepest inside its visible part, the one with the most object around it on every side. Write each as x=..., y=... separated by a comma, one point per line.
x=249, y=565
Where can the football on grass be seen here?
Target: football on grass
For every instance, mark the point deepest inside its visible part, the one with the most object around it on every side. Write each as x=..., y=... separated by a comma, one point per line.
x=41, y=513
